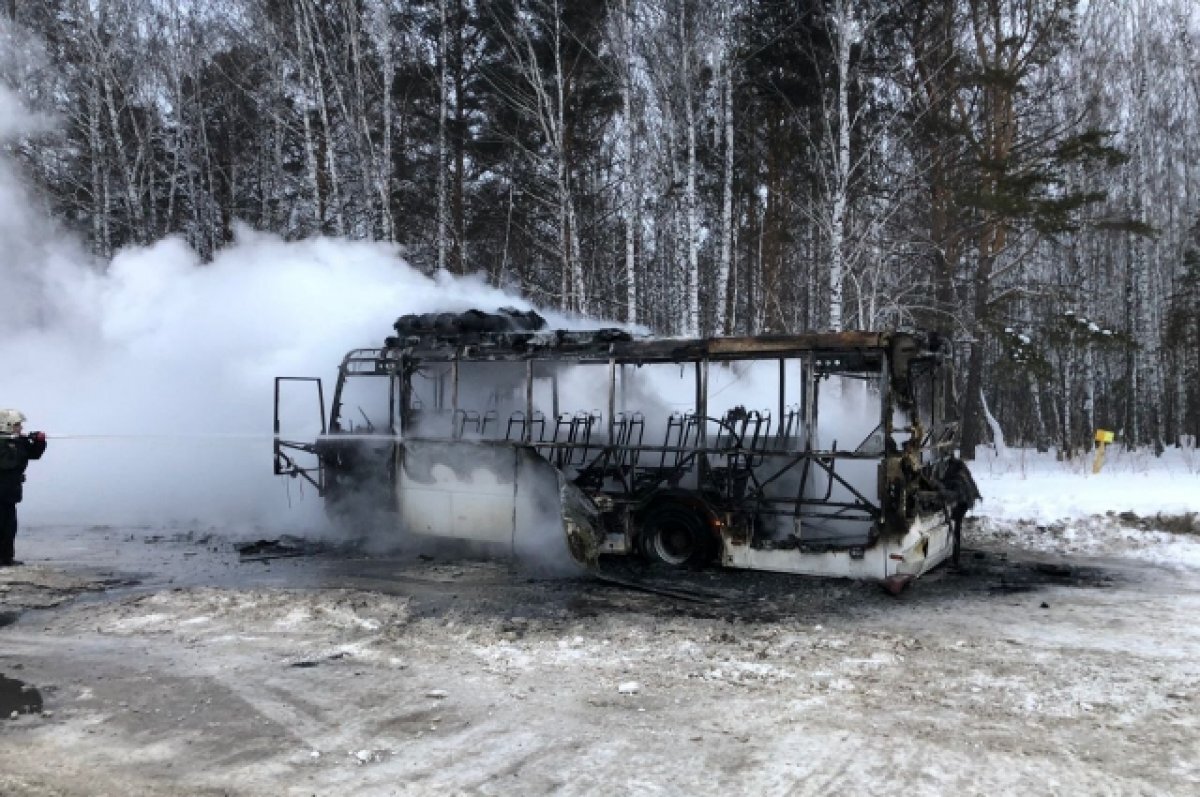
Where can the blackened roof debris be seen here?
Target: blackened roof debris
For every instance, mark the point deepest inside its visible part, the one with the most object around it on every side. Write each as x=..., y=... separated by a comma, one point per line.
x=506, y=319
x=507, y=328
x=516, y=334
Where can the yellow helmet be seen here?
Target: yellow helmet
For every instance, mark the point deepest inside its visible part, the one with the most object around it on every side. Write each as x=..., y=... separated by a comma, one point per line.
x=10, y=420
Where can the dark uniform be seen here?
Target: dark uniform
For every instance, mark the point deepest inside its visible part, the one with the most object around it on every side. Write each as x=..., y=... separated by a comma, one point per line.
x=15, y=453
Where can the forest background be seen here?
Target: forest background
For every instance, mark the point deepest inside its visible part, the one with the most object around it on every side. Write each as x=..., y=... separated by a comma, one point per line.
x=1019, y=174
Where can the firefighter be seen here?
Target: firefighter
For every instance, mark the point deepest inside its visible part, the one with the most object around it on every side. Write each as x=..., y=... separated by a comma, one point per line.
x=16, y=449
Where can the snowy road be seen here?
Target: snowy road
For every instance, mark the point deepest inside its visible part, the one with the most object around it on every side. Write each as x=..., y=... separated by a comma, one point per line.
x=1029, y=672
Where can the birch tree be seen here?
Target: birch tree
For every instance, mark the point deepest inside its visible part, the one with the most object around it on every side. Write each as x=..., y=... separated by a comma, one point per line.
x=725, y=78
x=548, y=60
x=845, y=30
x=624, y=33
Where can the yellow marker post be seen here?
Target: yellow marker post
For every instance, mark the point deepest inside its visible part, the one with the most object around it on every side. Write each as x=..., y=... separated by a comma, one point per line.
x=1103, y=438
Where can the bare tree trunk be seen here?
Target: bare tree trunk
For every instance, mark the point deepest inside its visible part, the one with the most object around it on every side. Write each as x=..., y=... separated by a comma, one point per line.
x=692, y=325
x=106, y=77
x=1069, y=442
x=721, y=321
x=1145, y=264
x=572, y=262
x=631, y=193
x=1089, y=388
x=1039, y=416
x=443, y=205
x=458, y=200
x=841, y=168
x=354, y=114
x=1133, y=407
x=310, y=146
x=972, y=427
x=329, y=139
x=735, y=283
x=100, y=226
x=384, y=173
x=758, y=307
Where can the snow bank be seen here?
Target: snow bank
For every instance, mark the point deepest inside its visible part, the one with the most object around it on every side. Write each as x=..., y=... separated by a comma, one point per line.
x=1132, y=508
x=1026, y=485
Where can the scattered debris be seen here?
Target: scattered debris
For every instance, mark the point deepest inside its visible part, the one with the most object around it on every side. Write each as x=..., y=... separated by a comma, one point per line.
x=264, y=550
x=367, y=756
x=1184, y=523
x=17, y=697
x=679, y=594
x=260, y=547
x=999, y=574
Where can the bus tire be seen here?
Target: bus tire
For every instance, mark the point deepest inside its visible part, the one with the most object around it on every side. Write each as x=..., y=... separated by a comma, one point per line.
x=676, y=535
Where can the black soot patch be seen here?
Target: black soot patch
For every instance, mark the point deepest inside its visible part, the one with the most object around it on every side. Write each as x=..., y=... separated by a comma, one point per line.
x=19, y=697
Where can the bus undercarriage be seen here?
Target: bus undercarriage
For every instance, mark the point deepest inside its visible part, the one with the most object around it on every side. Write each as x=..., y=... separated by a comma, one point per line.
x=824, y=454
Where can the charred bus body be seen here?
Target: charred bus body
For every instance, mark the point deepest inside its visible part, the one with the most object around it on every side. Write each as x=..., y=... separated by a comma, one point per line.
x=823, y=454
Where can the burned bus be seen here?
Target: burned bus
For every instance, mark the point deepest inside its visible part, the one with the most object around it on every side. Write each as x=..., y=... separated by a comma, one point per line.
x=821, y=454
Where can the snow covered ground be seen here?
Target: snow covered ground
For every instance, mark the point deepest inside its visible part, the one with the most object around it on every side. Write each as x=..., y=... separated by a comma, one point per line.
x=1026, y=485
x=1138, y=505
x=1063, y=657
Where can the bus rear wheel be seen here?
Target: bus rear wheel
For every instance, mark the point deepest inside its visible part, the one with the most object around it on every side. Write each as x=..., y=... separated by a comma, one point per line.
x=676, y=535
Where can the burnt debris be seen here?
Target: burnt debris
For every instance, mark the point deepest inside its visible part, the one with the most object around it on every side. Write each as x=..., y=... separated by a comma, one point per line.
x=472, y=323
x=507, y=329
x=17, y=697
x=265, y=550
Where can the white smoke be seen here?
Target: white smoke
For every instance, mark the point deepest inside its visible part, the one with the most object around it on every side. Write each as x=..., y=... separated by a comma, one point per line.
x=155, y=371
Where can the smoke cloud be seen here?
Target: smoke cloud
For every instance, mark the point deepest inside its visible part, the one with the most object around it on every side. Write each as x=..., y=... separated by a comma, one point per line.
x=153, y=374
